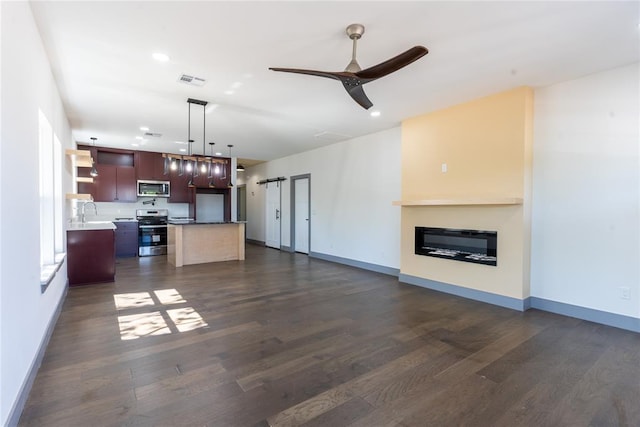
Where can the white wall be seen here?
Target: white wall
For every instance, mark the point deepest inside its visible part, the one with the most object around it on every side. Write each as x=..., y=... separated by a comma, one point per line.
x=586, y=192
x=27, y=85
x=352, y=186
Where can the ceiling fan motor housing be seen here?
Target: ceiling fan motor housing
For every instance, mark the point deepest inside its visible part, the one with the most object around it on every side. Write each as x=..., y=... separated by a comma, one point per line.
x=355, y=31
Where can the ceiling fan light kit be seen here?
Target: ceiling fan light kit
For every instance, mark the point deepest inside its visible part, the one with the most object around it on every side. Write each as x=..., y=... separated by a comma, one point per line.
x=354, y=77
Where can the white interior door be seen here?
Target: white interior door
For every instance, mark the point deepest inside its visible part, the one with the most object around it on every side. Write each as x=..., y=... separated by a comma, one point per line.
x=301, y=215
x=273, y=215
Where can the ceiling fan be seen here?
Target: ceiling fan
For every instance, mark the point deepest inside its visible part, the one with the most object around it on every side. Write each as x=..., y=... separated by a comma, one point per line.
x=354, y=77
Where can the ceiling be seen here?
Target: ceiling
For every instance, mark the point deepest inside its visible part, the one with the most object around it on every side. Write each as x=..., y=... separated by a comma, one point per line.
x=101, y=56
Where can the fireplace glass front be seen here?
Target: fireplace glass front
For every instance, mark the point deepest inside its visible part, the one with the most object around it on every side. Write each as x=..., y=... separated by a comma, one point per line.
x=474, y=246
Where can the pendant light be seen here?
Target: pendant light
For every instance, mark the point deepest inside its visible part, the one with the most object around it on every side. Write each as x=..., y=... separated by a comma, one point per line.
x=203, y=166
x=225, y=166
x=192, y=164
x=166, y=165
x=210, y=175
x=188, y=167
x=240, y=168
x=94, y=171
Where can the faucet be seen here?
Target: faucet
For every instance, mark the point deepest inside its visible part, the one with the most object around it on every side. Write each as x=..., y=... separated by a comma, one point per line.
x=82, y=214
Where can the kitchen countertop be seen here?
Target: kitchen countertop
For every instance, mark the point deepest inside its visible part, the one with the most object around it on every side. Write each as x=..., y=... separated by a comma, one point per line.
x=195, y=222
x=91, y=225
x=128, y=219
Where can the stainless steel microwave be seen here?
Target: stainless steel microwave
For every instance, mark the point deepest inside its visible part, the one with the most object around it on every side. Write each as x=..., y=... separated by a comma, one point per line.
x=153, y=188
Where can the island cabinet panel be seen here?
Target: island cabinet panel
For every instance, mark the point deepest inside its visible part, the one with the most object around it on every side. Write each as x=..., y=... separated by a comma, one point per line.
x=203, y=243
x=90, y=256
x=126, y=239
x=150, y=166
x=114, y=184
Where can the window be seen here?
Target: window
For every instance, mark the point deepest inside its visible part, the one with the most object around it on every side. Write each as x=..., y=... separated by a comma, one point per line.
x=50, y=192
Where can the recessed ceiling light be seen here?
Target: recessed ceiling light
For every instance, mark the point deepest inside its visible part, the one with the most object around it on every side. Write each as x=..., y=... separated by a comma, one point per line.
x=135, y=145
x=161, y=57
x=218, y=154
x=183, y=150
x=228, y=92
x=144, y=128
x=139, y=138
x=375, y=114
x=181, y=142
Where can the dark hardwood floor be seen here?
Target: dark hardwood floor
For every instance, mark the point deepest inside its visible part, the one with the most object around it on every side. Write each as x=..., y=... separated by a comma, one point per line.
x=284, y=340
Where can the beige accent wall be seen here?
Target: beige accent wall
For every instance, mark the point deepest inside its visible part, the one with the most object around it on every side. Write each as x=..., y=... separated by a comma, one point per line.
x=486, y=145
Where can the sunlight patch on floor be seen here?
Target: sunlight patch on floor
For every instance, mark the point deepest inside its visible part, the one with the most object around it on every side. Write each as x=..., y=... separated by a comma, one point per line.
x=132, y=300
x=139, y=325
x=169, y=296
x=186, y=319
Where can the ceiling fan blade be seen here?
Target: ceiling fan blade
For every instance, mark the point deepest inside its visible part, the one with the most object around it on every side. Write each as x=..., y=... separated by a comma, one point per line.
x=327, y=74
x=358, y=95
x=393, y=64
x=351, y=83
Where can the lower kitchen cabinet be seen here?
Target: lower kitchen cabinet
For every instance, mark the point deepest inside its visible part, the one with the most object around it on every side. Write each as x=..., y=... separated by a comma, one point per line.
x=126, y=239
x=90, y=256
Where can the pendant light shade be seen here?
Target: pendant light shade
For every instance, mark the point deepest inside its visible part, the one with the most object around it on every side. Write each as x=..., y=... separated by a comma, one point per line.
x=212, y=183
x=94, y=171
x=167, y=166
x=225, y=166
x=240, y=168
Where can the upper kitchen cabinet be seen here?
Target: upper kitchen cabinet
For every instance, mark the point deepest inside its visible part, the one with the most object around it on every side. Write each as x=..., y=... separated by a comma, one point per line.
x=115, y=184
x=180, y=190
x=150, y=166
x=221, y=176
x=116, y=180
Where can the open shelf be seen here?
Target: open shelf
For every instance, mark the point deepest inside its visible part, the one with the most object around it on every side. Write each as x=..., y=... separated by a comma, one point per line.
x=460, y=201
x=82, y=157
x=78, y=196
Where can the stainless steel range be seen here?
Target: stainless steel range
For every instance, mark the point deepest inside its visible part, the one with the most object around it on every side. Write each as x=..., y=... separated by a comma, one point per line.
x=152, y=231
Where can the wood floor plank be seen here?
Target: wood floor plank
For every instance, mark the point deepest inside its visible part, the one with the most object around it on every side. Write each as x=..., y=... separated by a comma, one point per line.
x=291, y=340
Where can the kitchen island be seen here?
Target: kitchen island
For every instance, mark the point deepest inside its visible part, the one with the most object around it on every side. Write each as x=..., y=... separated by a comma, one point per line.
x=191, y=242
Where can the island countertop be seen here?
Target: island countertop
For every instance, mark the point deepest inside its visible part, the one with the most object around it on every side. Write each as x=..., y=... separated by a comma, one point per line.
x=192, y=242
x=196, y=222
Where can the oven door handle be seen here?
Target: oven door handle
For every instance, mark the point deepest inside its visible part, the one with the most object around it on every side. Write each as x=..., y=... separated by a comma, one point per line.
x=152, y=226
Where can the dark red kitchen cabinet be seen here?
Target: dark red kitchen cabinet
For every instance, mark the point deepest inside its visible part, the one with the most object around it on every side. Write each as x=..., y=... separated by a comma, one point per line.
x=180, y=191
x=90, y=256
x=220, y=179
x=150, y=166
x=126, y=184
x=115, y=184
x=104, y=185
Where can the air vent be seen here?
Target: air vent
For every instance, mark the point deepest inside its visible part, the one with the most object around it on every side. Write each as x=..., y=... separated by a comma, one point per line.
x=331, y=136
x=191, y=80
x=153, y=134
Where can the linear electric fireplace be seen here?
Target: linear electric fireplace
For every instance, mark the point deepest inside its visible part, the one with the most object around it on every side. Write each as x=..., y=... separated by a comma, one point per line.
x=475, y=246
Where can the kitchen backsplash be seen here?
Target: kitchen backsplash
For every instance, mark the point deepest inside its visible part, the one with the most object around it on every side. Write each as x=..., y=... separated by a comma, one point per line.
x=108, y=211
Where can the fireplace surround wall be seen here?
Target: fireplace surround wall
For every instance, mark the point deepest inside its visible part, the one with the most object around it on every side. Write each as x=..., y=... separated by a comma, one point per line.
x=469, y=167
